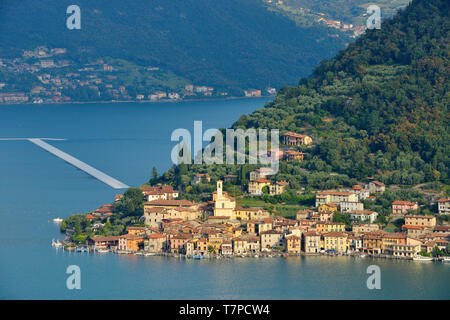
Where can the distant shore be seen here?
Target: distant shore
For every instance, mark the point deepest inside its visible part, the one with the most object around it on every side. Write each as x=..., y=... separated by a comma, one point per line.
x=135, y=101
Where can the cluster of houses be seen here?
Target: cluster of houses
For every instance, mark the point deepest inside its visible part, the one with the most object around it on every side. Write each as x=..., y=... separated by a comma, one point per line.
x=60, y=76
x=220, y=227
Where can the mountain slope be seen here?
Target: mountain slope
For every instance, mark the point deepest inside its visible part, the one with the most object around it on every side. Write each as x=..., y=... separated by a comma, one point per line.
x=380, y=107
x=226, y=44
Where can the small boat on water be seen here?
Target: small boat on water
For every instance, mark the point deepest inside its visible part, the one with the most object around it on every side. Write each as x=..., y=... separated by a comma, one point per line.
x=58, y=220
x=197, y=257
x=363, y=256
x=446, y=259
x=56, y=244
x=102, y=250
x=422, y=258
x=81, y=249
x=149, y=254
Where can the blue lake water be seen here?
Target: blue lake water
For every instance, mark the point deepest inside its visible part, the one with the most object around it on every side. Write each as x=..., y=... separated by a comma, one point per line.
x=125, y=140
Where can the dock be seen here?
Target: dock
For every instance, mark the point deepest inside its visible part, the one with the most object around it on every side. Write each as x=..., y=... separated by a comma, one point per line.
x=103, y=177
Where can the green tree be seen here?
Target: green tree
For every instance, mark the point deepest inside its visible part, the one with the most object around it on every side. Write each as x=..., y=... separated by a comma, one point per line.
x=132, y=203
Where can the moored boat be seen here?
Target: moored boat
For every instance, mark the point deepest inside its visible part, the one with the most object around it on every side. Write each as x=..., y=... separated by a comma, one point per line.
x=56, y=244
x=422, y=258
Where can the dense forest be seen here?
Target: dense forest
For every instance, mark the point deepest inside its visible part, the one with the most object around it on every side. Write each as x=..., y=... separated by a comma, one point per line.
x=380, y=107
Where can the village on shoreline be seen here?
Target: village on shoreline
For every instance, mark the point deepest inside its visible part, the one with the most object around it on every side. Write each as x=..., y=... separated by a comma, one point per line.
x=171, y=226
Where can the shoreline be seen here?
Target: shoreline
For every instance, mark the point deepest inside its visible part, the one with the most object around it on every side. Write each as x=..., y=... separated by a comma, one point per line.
x=260, y=255
x=134, y=101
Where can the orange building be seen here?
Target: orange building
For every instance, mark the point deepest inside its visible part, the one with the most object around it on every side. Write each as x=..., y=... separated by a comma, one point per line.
x=130, y=242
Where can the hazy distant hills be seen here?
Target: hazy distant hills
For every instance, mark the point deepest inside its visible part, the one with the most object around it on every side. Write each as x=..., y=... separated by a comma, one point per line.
x=234, y=44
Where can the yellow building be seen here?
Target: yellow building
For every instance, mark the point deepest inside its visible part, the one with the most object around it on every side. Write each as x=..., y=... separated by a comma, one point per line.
x=293, y=244
x=245, y=214
x=416, y=220
x=326, y=197
x=255, y=187
x=323, y=227
x=335, y=241
x=328, y=207
x=278, y=188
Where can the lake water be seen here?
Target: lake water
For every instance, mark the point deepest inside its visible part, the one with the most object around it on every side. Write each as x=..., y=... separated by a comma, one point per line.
x=126, y=140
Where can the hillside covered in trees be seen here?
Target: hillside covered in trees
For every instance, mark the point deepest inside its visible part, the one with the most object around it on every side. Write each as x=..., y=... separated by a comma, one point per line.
x=380, y=107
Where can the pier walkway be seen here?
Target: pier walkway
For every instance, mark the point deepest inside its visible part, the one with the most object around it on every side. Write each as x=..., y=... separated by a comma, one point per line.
x=110, y=181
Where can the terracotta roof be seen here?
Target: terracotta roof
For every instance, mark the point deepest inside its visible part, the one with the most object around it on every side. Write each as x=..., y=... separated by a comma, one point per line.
x=161, y=202
x=156, y=236
x=405, y=226
x=311, y=234
x=335, y=234
x=293, y=134
x=444, y=200
x=362, y=212
x=400, y=202
x=104, y=239
x=336, y=193
x=419, y=217
x=135, y=228
x=262, y=180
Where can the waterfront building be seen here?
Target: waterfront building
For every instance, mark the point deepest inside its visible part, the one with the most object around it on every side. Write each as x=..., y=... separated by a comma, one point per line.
x=293, y=244
x=100, y=242
x=372, y=243
x=226, y=248
x=155, y=243
x=335, y=241
x=130, y=242
x=403, y=250
x=355, y=243
x=390, y=238
x=271, y=239
x=311, y=242
x=177, y=242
